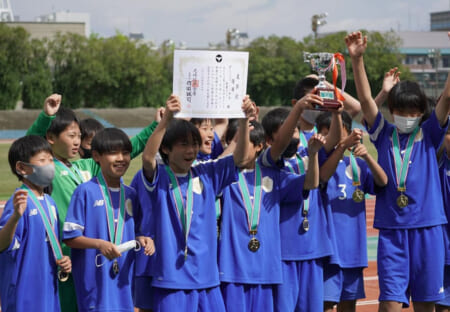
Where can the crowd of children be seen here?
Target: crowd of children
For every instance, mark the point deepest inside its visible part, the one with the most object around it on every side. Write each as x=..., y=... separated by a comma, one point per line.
x=233, y=215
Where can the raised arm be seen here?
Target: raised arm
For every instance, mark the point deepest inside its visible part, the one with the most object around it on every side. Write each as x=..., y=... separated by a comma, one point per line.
x=173, y=105
x=443, y=106
x=138, y=141
x=391, y=78
x=286, y=130
x=42, y=123
x=335, y=134
x=379, y=176
x=242, y=144
x=329, y=166
x=8, y=231
x=356, y=45
x=315, y=143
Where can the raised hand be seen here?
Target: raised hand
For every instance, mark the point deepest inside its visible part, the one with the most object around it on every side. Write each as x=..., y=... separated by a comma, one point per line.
x=173, y=106
x=20, y=202
x=249, y=108
x=65, y=263
x=353, y=139
x=52, y=103
x=315, y=143
x=356, y=44
x=391, y=78
x=159, y=114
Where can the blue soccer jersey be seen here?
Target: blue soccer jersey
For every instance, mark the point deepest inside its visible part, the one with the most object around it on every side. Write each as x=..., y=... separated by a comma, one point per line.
x=348, y=216
x=317, y=241
x=171, y=268
x=100, y=288
x=142, y=222
x=28, y=271
x=425, y=205
x=444, y=172
x=237, y=263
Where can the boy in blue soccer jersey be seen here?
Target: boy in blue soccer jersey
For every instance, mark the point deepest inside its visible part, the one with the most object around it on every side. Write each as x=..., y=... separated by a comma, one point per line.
x=185, y=272
x=29, y=245
x=444, y=172
x=99, y=219
x=304, y=223
x=409, y=210
x=249, y=245
x=348, y=179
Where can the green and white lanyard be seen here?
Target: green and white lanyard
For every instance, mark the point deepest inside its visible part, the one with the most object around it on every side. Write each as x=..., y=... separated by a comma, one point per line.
x=115, y=231
x=301, y=170
x=402, y=165
x=76, y=176
x=303, y=139
x=184, y=211
x=253, y=210
x=354, y=165
x=49, y=222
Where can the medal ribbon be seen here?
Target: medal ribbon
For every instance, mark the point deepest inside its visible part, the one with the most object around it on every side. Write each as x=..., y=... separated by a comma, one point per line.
x=47, y=220
x=303, y=139
x=402, y=165
x=301, y=170
x=78, y=177
x=253, y=210
x=184, y=211
x=355, y=175
x=115, y=232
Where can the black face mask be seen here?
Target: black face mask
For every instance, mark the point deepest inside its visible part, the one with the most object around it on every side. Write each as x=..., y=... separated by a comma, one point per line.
x=291, y=149
x=87, y=153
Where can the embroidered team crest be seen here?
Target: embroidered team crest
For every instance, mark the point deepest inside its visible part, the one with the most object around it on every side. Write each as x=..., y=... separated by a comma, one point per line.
x=129, y=207
x=86, y=175
x=267, y=184
x=349, y=172
x=197, y=185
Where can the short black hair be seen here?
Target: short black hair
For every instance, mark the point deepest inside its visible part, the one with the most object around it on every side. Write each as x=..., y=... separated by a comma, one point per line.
x=110, y=140
x=406, y=95
x=274, y=119
x=179, y=130
x=24, y=148
x=232, y=128
x=64, y=118
x=257, y=134
x=304, y=86
x=324, y=121
x=198, y=121
x=89, y=127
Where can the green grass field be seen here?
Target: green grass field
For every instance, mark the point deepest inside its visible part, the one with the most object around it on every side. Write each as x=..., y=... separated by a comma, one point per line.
x=9, y=182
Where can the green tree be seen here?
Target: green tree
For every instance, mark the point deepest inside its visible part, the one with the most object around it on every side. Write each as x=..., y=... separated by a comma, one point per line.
x=14, y=50
x=37, y=82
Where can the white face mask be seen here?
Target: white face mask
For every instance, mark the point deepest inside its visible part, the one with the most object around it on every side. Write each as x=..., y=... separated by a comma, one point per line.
x=311, y=115
x=406, y=124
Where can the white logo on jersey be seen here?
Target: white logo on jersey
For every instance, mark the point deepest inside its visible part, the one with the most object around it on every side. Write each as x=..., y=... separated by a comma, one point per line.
x=448, y=173
x=99, y=202
x=64, y=173
x=267, y=184
x=197, y=185
x=33, y=212
x=441, y=290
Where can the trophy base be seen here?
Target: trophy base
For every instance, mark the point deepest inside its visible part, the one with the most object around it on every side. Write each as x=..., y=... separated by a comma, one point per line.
x=329, y=99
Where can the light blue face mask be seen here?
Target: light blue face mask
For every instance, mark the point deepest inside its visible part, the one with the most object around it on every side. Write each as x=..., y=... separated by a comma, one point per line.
x=42, y=175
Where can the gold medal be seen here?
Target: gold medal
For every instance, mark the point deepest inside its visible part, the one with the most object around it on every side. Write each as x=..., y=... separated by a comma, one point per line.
x=305, y=224
x=63, y=276
x=254, y=244
x=402, y=201
x=358, y=195
x=115, y=267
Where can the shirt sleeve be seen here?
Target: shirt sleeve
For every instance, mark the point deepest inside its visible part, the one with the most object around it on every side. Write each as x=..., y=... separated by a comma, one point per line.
x=40, y=125
x=291, y=187
x=76, y=215
x=138, y=141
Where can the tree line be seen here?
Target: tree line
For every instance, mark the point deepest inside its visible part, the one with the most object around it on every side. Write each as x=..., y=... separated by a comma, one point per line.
x=121, y=72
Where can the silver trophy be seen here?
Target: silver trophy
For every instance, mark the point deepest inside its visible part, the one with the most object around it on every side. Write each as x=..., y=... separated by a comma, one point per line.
x=321, y=63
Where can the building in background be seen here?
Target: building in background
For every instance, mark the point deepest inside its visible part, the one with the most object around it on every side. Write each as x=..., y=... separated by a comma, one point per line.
x=67, y=17
x=440, y=21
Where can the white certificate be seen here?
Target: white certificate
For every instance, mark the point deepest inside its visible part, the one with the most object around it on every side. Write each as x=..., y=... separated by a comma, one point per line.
x=210, y=84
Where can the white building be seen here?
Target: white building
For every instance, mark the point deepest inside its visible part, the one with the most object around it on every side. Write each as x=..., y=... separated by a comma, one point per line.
x=67, y=17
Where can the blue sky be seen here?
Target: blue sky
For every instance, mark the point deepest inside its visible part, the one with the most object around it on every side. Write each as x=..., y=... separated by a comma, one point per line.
x=205, y=21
